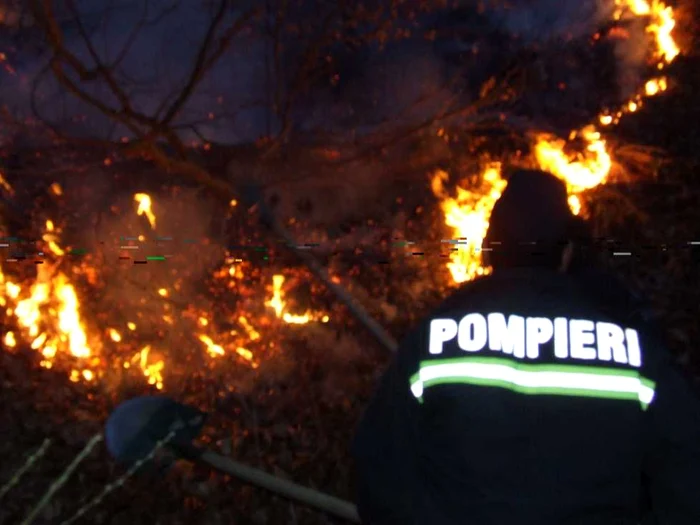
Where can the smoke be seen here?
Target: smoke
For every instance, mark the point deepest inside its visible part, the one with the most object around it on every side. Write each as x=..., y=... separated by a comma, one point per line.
x=229, y=105
x=544, y=20
x=551, y=22
x=131, y=293
x=631, y=55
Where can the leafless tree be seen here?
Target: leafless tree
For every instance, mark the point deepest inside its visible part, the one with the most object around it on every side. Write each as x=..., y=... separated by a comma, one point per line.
x=302, y=39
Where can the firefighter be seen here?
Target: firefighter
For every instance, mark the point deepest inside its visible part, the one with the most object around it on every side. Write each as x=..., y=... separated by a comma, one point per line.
x=538, y=395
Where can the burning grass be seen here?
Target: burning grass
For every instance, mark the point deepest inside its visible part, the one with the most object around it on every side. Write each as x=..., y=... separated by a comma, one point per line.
x=158, y=310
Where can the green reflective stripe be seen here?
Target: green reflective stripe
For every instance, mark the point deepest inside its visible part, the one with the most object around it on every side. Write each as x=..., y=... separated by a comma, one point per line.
x=552, y=379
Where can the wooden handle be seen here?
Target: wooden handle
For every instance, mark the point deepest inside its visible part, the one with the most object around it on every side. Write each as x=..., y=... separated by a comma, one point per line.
x=335, y=506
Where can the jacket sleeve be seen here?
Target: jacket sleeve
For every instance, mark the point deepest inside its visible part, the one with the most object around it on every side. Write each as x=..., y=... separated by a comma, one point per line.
x=672, y=467
x=386, y=447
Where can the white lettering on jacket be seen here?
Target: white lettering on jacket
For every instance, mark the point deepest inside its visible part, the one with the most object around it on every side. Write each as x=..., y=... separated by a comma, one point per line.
x=522, y=337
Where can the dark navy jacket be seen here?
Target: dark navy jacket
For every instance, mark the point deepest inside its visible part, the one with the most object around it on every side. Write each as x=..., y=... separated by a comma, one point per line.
x=586, y=420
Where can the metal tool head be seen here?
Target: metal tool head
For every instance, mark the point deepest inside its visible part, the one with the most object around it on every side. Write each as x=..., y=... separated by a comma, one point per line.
x=137, y=425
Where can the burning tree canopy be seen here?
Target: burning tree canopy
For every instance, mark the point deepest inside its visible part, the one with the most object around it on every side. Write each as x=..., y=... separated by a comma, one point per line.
x=382, y=133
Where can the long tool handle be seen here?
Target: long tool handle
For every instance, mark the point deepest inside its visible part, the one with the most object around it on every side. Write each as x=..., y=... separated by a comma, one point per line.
x=338, y=507
x=355, y=308
x=253, y=195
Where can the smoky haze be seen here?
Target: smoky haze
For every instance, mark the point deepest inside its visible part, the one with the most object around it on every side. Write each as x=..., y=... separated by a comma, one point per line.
x=130, y=292
x=405, y=83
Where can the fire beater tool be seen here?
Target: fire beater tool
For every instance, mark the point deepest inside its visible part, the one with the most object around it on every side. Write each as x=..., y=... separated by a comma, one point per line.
x=252, y=195
x=151, y=432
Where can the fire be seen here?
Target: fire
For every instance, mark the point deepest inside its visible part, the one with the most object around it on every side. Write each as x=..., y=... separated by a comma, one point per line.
x=468, y=213
x=144, y=208
x=69, y=318
x=48, y=315
x=655, y=86
x=213, y=349
x=244, y=353
x=278, y=304
x=9, y=340
x=252, y=333
x=661, y=24
x=46, y=312
x=51, y=238
x=588, y=170
x=580, y=171
x=217, y=350
x=153, y=371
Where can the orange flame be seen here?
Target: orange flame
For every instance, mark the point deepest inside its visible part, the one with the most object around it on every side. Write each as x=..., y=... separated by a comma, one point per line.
x=579, y=171
x=279, y=305
x=48, y=314
x=468, y=213
x=661, y=24
x=153, y=371
x=144, y=208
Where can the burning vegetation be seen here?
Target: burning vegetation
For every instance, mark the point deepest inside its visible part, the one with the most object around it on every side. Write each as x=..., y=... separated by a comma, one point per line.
x=162, y=297
x=467, y=213
x=50, y=317
x=49, y=313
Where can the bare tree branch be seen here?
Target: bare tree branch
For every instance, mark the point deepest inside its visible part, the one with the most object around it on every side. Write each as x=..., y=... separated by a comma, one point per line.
x=203, y=63
x=144, y=128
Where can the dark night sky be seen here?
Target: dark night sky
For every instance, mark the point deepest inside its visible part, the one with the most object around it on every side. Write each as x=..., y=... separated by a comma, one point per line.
x=162, y=55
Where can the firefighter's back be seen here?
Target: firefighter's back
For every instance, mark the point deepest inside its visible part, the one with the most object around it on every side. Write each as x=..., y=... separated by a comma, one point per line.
x=534, y=407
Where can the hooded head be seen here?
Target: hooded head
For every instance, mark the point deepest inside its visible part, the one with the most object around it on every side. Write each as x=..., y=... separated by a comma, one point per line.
x=531, y=224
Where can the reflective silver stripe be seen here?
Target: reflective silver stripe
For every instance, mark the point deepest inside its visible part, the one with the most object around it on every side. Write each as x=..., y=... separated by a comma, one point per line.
x=568, y=380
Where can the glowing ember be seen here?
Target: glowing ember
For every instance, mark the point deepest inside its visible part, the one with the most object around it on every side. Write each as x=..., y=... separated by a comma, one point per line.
x=244, y=353
x=4, y=185
x=213, y=349
x=655, y=86
x=9, y=340
x=144, y=202
x=253, y=334
x=51, y=238
x=151, y=370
